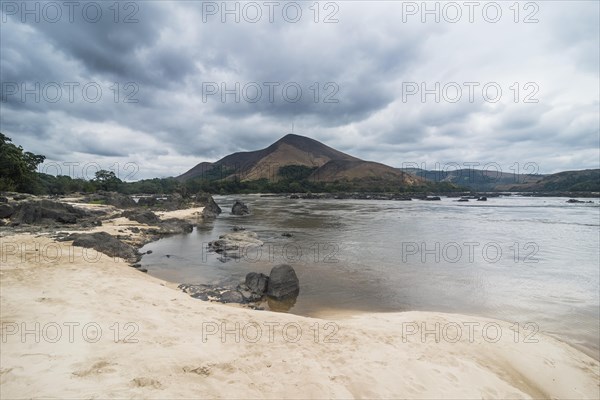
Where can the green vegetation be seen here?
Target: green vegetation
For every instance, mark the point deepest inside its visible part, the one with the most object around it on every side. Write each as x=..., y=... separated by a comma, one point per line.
x=18, y=167
x=18, y=173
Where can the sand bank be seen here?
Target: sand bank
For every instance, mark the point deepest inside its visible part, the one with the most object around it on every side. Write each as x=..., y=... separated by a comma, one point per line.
x=79, y=324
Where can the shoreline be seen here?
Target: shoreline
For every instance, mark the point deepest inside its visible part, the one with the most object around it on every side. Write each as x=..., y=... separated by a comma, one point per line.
x=190, y=348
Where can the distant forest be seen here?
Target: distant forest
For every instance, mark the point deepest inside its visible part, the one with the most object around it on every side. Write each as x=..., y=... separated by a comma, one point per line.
x=19, y=173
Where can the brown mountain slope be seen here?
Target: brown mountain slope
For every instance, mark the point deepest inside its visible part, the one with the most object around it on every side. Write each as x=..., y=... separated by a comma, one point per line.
x=265, y=163
x=363, y=171
x=293, y=150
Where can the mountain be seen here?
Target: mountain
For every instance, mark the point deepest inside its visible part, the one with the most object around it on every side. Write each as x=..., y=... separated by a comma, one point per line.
x=587, y=180
x=492, y=180
x=315, y=161
x=475, y=179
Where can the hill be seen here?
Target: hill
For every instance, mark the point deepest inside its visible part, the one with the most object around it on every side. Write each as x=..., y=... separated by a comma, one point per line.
x=299, y=158
x=587, y=180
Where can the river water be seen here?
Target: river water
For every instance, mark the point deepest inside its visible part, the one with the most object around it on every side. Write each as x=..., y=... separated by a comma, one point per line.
x=518, y=259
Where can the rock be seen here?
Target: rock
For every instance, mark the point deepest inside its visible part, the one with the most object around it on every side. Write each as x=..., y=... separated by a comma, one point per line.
x=294, y=197
x=107, y=244
x=231, y=296
x=39, y=212
x=174, y=226
x=211, y=208
x=239, y=208
x=6, y=211
x=3, y=199
x=249, y=296
x=482, y=198
x=579, y=201
x=283, y=282
x=257, y=283
x=286, y=234
x=142, y=270
x=20, y=197
x=149, y=252
x=235, y=241
x=135, y=229
x=142, y=216
x=462, y=199
x=146, y=201
x=213, y=293
x=111, y=198
x=432, y=198
x=238, y=228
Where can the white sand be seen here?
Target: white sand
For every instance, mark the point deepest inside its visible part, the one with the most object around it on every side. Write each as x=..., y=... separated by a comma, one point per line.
x=177, y=355
x=189, y=214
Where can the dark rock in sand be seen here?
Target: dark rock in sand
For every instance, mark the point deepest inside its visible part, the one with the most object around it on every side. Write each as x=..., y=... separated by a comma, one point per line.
x=38, y=212
x=213, y=293
x=111, y=198
x=107, y=244
x=257, y=283
x=231, y=296
x=283, y=282
x=482, y=198
x=432, y=198
x=142, y=216
x=6, y=211
x=286, y=234
x=237, y=228
x=135, y=229
x=239, y=208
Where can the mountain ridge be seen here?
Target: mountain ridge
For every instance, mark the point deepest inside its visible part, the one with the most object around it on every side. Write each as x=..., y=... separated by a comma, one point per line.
x=295, y=150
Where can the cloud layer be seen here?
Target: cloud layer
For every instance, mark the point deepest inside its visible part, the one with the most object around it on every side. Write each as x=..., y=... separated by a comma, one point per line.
x=166, y=85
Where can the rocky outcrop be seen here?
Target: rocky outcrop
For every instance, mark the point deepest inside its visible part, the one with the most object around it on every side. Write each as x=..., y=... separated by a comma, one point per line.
x=280, y=289
x=575, y=201
x=215, y=293
x=43, y=211
x=211, y=208
x=171, y=226
x=142, y=216
x=6, y=210
x=239, y=208
x=283, y=282
x=105, y=243
x=235, y=241
x=111, y=198
x=257, y=283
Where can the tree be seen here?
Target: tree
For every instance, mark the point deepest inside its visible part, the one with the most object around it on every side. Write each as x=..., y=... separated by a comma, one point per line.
x=18, y=168
x=107, y=180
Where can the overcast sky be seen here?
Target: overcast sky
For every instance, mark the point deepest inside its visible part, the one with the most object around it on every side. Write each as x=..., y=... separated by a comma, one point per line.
x=361, y=68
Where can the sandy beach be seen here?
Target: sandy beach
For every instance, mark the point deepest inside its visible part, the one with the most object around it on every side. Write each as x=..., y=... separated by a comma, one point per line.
x=79, y=324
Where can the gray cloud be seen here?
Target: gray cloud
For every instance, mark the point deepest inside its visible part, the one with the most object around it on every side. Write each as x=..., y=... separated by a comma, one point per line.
x=170, y=55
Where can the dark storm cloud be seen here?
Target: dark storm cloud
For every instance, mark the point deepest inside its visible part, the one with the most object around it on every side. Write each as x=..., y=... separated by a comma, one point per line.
x=170, y=55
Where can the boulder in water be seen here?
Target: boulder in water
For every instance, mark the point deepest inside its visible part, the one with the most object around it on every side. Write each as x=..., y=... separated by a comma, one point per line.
x=239, y=208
